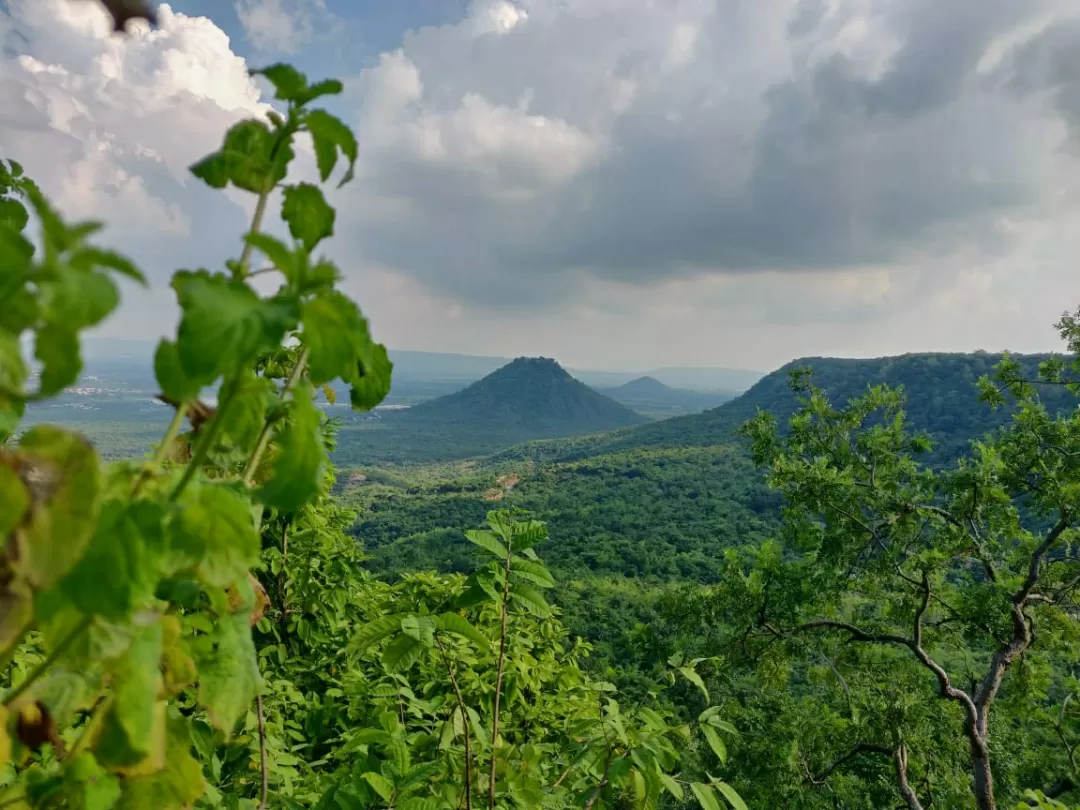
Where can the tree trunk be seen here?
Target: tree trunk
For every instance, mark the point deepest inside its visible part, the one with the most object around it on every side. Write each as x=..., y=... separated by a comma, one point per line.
x=984, y=776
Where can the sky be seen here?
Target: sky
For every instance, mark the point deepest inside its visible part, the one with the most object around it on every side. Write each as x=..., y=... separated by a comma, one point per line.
x=618, y=184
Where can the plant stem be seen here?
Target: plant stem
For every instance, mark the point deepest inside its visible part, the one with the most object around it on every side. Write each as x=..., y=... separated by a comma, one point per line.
x=15, y=692
x=256, y=226
x=499, y=676
x=464, y=722
x=170, y=433
x=163, y=446
x=264, y=435
x=206, y=441
x=84, y=737
x=264, y=790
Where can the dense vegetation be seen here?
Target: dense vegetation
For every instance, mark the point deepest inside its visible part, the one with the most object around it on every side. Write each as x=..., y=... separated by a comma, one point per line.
x=855, y=607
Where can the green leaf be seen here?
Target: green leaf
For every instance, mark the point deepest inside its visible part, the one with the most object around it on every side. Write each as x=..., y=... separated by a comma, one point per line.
x=423, y=803
x=705, y=796
x=123, y=562
x=380, y=784
x=178, y=785
x=487, y=541
x=224, y=324
x=298, y=466
x=127, y=735
x=229, y=676
x=288, y=81
x=374, y=632
x=401, y=653
x=422, y=628
x=210, y=532
x=170, y=374
x=371, y=383
x=460, y=626
x=715, y=743
x=92, y=257
x=673, y=787
x=691, y=675
x=13, y=214
x=252, y=158
x=337, y=337
x=327, y=87
x=65, y=503
x=274, y=249
x=309, y=216
x=14, y=501
x=329, y=135
x=530, y=599
x=729, y=794
x=57, y=349
x=87, y=786
x=243, y=420
x=76, y=299
x=534, y=572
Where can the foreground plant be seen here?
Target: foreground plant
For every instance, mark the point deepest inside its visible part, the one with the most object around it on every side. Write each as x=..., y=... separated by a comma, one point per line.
x=125, y=594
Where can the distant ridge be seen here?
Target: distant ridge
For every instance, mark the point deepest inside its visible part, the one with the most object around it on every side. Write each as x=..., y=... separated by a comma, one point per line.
x=940, y=390
x=649, y=396
x=643, y=386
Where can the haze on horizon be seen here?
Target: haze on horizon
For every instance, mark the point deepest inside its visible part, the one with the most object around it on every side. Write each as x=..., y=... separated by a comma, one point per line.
x=614, y=183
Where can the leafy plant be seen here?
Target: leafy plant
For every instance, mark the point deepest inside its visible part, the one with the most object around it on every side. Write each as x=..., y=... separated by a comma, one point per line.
x=914, y=584
x=125, y=594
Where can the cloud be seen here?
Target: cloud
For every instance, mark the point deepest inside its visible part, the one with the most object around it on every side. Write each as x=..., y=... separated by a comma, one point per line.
x=108, y=125
x=281, y=25
x=531, y=145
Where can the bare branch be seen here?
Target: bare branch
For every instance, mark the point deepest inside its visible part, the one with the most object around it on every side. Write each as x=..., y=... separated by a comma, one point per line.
x=858, y=750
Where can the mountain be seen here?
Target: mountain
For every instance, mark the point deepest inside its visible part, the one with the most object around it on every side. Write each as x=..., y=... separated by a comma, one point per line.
x=940, y=389
x=527, y=399
x=705, y=378
x=664, y=500
x=649, y=396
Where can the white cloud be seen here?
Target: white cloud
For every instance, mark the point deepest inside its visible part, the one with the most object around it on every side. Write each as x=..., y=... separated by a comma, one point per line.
x=108, y=125
x=280, y=25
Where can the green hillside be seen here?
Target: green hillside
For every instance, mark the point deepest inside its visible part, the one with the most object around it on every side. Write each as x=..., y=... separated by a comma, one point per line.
x=940, y=391
x=529, y=398
x=660, y=500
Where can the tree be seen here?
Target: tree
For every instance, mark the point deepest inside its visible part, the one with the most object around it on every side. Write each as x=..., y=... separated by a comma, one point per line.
x=886, y=566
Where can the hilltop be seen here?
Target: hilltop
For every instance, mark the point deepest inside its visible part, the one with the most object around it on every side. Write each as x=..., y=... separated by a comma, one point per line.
x=527, y=399
x=647, y=395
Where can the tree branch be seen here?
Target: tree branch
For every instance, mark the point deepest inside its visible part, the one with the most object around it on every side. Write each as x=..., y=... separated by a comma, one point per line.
x=1022, y=633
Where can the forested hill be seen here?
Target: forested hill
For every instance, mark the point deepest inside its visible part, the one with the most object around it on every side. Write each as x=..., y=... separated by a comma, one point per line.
x=941, y=392
x=529, y=398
